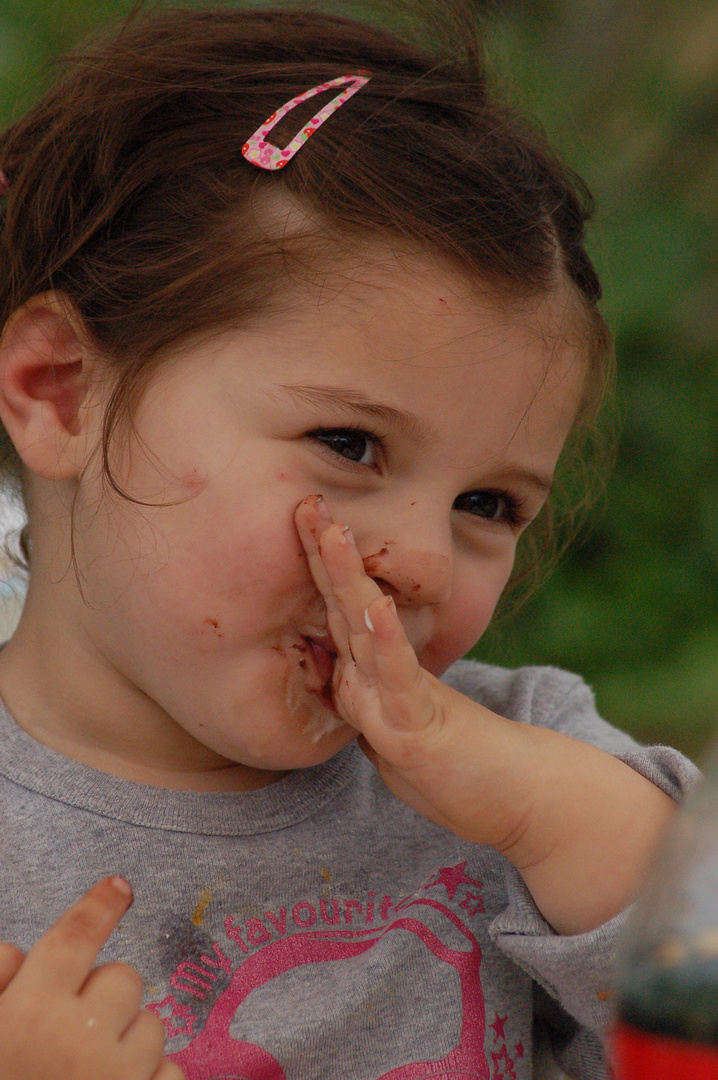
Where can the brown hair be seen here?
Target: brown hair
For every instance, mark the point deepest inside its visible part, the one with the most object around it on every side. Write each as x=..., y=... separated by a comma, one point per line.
x=128, y=192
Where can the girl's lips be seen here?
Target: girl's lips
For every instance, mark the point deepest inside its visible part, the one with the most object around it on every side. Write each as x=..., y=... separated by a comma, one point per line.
x=323, y=654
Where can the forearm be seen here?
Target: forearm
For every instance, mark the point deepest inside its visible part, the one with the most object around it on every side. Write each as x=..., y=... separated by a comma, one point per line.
x=579, y=825
x=586, y=844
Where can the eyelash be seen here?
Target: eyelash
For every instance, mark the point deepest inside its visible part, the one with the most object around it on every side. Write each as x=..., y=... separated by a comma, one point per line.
x=376, y=441
x=513, y=505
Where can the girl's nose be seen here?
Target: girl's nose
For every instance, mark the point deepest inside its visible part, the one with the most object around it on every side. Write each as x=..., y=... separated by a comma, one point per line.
x=411, y=571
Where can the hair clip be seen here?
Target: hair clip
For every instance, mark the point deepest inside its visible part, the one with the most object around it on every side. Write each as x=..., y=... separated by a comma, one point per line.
x=268, y=156
x=4, y=183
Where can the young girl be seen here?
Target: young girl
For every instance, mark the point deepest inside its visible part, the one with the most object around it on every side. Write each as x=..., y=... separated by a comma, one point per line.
x=281, y=409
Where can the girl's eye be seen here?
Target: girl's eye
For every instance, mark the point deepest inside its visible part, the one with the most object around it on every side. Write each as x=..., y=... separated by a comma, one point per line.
x=492, y=505
x=350, y=443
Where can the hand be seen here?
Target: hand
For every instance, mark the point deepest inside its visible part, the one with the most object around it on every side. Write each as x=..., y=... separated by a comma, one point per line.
x=62, y=1019
x=410, y=723
x=579, y=825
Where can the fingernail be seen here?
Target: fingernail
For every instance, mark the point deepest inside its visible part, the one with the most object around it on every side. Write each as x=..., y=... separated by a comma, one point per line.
x=321, y=507
x=121, y=886
x=367, y=620
x=347, y=536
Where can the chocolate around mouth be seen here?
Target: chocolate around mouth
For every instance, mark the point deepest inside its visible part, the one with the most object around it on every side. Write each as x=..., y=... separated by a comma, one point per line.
x=326, y=696
x=324, y=660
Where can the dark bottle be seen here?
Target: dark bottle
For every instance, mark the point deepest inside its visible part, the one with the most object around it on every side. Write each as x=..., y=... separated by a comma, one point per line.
x=667, y=1001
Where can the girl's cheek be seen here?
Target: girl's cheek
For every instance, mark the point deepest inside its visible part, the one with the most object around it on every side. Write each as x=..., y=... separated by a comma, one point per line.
x=461, y=622
x=456, y=632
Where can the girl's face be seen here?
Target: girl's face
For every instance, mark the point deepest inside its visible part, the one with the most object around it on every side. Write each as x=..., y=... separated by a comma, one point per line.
x=430, y=422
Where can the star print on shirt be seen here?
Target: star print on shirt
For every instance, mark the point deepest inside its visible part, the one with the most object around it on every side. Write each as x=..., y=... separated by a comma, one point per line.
x=473, y=903
x=498, y=1027
x=451, y=877
x=177, y=1009
x=503, y=1065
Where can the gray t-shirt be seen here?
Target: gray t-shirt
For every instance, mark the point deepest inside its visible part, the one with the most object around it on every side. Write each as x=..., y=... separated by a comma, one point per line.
x=319, y=929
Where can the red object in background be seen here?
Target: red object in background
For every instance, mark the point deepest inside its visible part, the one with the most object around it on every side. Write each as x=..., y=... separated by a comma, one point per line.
x=639, y=1055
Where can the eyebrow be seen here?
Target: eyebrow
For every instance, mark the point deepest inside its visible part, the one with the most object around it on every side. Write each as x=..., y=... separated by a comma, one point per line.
x=353, y=402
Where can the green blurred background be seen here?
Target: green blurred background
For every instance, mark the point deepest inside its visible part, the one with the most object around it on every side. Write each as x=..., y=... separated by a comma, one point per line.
x=628, y=90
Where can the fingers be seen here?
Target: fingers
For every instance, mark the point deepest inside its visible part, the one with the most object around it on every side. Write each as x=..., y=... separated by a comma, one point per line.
x=86, y=1022
x=338, y=572
x=395, y=661
x=11, y=960
x=144, y=1042
x=63, y=958
x=312, y=517
x=320, y=534
x=362, y=620
x=377, y=640
x=351, y=586
x=113, y=993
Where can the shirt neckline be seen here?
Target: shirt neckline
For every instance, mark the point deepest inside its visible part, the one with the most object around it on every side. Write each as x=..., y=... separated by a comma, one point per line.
x=28, y=763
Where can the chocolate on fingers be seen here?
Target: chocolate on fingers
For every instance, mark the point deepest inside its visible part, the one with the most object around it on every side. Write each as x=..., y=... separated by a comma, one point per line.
x=379, y=644
x=312, y=518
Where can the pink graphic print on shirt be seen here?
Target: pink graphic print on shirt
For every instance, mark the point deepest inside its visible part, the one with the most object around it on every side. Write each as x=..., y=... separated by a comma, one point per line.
x=214, y=1054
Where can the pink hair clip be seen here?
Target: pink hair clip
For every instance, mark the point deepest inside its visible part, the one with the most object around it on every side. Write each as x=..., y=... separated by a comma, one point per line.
x=4, y=183
x=268, y=156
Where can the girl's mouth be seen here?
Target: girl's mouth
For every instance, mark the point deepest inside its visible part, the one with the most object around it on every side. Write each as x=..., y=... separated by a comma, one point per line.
x=323, y=655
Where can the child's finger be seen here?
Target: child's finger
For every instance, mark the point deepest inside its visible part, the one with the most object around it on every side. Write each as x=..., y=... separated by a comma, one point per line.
x=394, y=658
x=144, y=1039
x=353, y=591
x=63, y=957
x=348, y=592
x=352, y=587
x=11, y=960
x=312, y=518
x=408, y=704
x=113, y=993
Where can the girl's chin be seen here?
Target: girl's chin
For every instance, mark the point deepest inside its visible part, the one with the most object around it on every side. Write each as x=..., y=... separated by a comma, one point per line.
x=319, y=741
x=293, y=716
x=313, y=722
x=316, y=743
x=322, y=725
x=321, y=735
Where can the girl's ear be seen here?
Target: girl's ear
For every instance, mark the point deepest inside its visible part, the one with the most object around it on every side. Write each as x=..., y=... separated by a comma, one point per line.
x=45, y=369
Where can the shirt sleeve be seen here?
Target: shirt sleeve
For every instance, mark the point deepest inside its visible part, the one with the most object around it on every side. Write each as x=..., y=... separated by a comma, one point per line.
x=572, y=973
